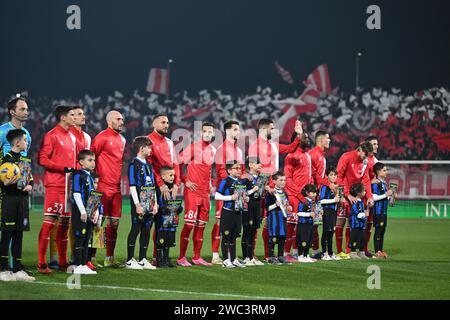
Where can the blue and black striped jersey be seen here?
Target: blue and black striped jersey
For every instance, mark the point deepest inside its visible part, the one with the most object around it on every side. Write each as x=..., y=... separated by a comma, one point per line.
x=379, y=187
x=355, y=209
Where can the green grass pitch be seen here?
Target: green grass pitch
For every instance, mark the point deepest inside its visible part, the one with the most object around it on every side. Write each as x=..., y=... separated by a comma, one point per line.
x=418, y=268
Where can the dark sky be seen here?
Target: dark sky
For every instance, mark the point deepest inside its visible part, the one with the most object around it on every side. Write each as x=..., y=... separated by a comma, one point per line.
x=219, y=44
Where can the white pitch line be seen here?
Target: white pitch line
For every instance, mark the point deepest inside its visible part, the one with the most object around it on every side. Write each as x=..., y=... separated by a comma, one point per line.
x=165, y=291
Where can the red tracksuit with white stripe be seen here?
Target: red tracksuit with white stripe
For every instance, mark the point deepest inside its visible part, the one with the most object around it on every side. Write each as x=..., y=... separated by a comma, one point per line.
x=199, y=157
x=57, y=152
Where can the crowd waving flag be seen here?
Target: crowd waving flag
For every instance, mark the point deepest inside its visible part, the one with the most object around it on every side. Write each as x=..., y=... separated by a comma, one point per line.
x=158, y=81
x=319, y=80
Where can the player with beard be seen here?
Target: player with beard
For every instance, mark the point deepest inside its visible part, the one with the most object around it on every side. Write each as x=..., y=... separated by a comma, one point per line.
x=163, y=155
x=371, y=160
x=318, y=166
x=268, y=153
x=352, y=168
x=199, y=158
x=228, y=151
x=109, y=146
x=298, y=170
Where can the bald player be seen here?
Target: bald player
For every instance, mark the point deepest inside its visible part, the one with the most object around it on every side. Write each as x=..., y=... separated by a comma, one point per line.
x=109, y=146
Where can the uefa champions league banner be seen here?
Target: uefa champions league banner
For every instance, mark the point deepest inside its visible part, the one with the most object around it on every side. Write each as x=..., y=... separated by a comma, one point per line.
x=411, y=185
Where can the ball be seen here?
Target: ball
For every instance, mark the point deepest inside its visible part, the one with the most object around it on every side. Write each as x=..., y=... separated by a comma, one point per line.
x=9, y=170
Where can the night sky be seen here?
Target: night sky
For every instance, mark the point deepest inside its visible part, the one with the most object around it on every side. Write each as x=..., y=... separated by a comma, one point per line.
x=219, y=44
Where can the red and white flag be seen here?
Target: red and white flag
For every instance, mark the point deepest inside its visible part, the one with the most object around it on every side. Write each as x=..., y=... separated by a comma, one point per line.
x=158, y=81
x=284, y=73
x=310, y=96
x=319, y=80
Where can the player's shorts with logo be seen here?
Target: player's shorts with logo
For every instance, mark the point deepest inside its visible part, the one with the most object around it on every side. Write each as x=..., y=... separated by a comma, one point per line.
x=54, y=203
x=197, y=206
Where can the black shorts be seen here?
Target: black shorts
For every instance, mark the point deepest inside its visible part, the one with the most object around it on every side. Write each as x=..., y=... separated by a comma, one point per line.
x=380, y=220
x=305, y=233
x=165, y=238
x=329, y=219
x=252, y=216
x=230, y=224
x=80, y=228
x=147, y=219
x=357, y=239
x=15, y=213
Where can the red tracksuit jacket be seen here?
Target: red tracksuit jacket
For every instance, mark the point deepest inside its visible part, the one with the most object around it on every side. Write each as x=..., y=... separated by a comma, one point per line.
x=83, y=141
x=163, y=154
x=318, y=165
x=298, y=171
x=269, y=153
x=351, y=169
x=57, y=152
x=199, y=158
x=109, y=147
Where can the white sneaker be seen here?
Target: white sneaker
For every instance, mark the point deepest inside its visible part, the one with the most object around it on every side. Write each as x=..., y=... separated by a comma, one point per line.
x=79, y=270
x=301, y=259
x=133, y=265
x=236, y=263
x=7, y=276
x=249, y=263
x=217, y=260
x=362, y=255
x=335, y=257
x=88, y=271
x=146, y=265
x=227, y=264
x=23, y=276
x=308, y=259
x=326, y=257
x=256, y=262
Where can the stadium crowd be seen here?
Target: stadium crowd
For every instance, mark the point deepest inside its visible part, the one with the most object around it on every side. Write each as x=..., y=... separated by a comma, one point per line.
x=412, y=120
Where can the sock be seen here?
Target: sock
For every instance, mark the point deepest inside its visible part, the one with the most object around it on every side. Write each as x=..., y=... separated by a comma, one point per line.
x=43, y=240
x=184, y=239
x=154, y=243
x=4, y=249
x=144, y=240
x=315, y=244
x=289, y=237
x=131, y=240
x=198, y=240
x=232, y=249
x=111, y=237
x=225, y=249
x=265, y=236
x=244, y=242
x=324, y=241
x=294, y=239
x=16, y=250
x=255, y=239
x=271, y=247
x=215, y=238
x=347, y=238
x=368, y=232
x=62, y=242
x=339, y=239
x=53, y=246
x=215, y=255
x=280, y=247
x=250, y=243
